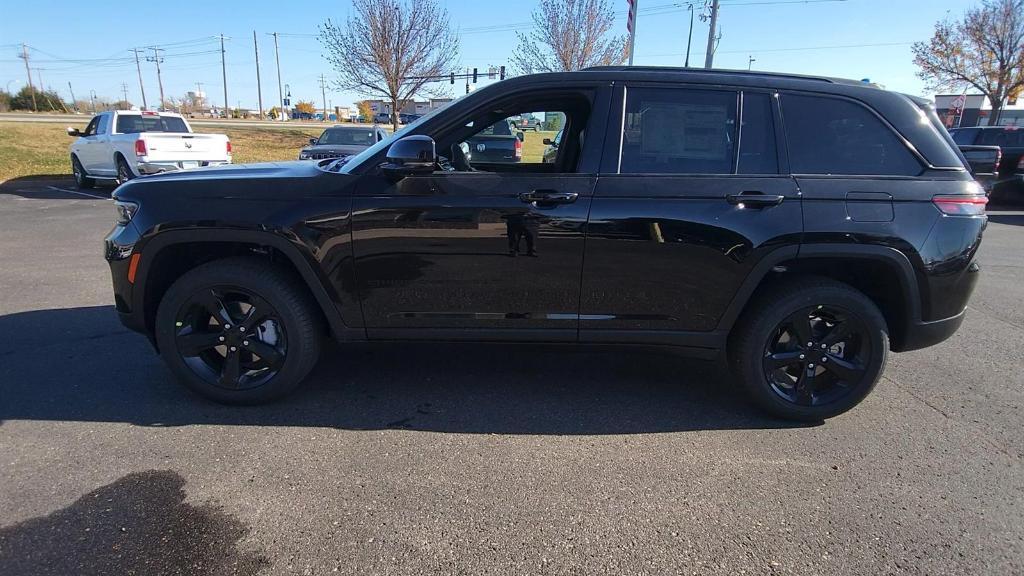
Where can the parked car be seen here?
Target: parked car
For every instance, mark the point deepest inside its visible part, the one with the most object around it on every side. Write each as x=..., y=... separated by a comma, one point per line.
x=339, y=141
x=526, y=122
x=983, y=162
x=498, y=143
x=382, y=118
x=407, y=118
x=799, y=252
x=551, y=148
x=1008, y=182
x=122, y=144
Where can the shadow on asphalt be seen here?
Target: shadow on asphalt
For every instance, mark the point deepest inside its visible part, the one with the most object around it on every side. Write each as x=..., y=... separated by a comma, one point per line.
x=1014, y=219
x=80, y=364
x=139, y=524
x=51, y=187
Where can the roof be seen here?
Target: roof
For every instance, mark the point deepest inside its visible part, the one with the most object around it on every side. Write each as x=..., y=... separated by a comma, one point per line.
x=725, y=72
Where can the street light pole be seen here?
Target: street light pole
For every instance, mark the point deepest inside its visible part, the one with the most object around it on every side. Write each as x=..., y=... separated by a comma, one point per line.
x=689, y=37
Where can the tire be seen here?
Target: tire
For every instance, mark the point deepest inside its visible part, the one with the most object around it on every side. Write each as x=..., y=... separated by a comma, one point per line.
x=199, y=309
x=124, y=171
x=786, y=377
x=82, y=182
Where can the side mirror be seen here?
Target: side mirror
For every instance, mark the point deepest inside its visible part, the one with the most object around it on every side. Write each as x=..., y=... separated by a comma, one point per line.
x=521, y=136
x=313, y=141
x=410, y=156
x=549, y=142
x=73, y=131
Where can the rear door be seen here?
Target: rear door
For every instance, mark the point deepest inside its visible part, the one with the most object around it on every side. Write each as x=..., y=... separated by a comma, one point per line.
x=692, y=196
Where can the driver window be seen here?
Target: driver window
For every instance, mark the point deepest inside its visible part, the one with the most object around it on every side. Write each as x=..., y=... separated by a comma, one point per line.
x=90, y=130
x=527, y=138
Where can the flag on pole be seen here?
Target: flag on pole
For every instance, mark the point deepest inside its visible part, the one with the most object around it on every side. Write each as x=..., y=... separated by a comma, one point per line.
x=631, y=27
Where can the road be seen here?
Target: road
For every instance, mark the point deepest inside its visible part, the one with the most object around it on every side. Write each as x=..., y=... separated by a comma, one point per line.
x=426, y=459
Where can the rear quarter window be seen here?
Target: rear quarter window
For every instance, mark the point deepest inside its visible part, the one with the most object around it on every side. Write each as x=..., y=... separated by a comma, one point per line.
x=839, y=137
x=1006, y=137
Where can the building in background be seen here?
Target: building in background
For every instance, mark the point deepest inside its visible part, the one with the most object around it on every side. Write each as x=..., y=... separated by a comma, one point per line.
x=958, y=110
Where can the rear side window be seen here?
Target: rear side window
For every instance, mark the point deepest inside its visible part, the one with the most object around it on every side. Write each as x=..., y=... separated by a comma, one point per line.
x=964, y=137
x=678, y=131
x=1009, y=137
x=834, y=136
x=136, y=124
x=758, y=152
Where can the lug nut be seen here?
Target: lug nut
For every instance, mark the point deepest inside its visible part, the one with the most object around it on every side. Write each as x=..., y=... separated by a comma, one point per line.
x=822, y=346
x=233, y=349
x=801, y=356
x=809, y=344
x=227, y=326
x=221, y=338
x=824, y=359
x=242, y=329
x=811, y=365
x=245, y=343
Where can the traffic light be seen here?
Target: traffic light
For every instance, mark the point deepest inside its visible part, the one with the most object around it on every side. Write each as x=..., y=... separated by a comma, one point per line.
x=502, y=73
x=474, y=75
x=453, y=77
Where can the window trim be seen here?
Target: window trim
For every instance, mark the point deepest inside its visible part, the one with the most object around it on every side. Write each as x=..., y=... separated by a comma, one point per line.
x=914, y=152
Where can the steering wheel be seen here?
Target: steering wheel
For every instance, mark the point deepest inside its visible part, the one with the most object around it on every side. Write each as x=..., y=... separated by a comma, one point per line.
x=444, y=164
x=459, y=160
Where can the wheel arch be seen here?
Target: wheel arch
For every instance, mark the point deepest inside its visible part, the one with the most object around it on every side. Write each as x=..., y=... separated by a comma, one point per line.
x=167, y=255
x=882, y=273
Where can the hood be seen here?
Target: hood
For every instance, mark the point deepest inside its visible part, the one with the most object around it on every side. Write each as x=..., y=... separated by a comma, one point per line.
x=339, y=149
x=293, y=169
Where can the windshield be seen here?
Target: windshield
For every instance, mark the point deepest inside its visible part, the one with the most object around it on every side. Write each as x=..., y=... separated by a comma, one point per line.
x=348, y=136
x=354, y=161
x=136, y=124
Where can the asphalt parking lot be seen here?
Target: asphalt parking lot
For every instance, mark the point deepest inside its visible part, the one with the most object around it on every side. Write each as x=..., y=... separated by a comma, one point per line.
x=426, y=459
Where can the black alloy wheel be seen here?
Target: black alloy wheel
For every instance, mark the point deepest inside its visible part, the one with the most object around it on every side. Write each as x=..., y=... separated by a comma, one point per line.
x=817, y=355
x=124, y=172
x=231, y=338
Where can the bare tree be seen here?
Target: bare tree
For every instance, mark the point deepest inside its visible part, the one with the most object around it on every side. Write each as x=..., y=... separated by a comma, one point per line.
x=569, y=35
x=390, y=48
x=984, y=50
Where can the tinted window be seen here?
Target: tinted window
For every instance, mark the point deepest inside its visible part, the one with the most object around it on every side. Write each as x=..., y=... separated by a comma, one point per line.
x=758, y=152
x=679, y=131
x=965, y=137
x=833, y=136
x=349, y=136
x=90, y=130
x=1011, y=137
x=136, y=124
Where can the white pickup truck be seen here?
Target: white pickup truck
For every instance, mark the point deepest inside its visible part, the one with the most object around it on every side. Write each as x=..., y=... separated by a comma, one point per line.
x=122, y=144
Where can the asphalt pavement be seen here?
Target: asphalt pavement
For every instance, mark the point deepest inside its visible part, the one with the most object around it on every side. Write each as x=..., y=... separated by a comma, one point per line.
x=485, y=459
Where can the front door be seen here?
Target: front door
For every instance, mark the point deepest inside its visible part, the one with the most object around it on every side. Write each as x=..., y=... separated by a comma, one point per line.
x=489, y=246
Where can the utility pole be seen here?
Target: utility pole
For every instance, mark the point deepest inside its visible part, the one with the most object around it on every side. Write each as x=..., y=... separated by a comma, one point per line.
x=138, y=68
x=709, y=58
x=28, y=71
x=200, y=96
x=92, y=101
x=631, y=27
x=156, y=58
x=124, y=91
x=74, y=103
x=323, y=92
x=224, y=76
x=750, y=62
x=280, y=91
x=689, y=37
x=259, y=87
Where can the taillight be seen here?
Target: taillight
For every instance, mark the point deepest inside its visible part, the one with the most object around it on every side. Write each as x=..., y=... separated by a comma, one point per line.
x=229, y=146
x=972, y=205
x=519, y=149
x=140, y=147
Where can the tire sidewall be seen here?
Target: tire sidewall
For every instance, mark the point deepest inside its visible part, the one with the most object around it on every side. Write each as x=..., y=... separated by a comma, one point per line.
x=299, y=342
x=749, y=360
x=78, y=173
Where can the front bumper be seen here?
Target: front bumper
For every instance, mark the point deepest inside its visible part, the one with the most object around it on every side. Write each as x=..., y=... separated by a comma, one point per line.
x=157, y=167
x=118, y=250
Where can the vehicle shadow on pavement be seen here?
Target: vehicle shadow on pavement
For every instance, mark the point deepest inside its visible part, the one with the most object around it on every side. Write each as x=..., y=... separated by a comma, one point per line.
x=1009, y=218
x=80, y=364
x=51, y=187
x=139, y=524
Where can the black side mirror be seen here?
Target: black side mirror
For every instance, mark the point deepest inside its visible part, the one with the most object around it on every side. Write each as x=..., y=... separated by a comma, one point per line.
x=73, y=131
x=549, y=142
x=410, y=156
x=313, y=141
x=521, y=136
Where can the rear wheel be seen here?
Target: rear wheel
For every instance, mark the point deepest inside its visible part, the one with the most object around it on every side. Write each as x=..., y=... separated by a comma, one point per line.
x=82, y=181
x=124, y=172
x=810, y=350
x=238, y=331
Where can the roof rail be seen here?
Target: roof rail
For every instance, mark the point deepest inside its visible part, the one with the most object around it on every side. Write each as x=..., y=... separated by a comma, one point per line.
x=722, y=71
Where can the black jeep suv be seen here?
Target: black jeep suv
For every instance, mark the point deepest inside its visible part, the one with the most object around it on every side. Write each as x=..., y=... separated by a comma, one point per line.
x=800, y=228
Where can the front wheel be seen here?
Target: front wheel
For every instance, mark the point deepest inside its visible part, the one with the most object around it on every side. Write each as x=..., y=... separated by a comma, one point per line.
x=238, y=331
x=82, y=181
x=124, y=171
x=810, y=350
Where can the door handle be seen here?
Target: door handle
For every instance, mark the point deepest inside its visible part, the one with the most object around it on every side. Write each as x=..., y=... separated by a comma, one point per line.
x=548, y=197
x=753, y=199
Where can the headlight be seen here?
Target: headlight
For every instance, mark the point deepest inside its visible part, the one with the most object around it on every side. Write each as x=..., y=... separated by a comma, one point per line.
x=303, y=155
x=125, y=211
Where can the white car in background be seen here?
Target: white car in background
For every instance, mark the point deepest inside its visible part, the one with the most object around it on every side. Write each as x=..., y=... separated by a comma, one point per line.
x=122, y=144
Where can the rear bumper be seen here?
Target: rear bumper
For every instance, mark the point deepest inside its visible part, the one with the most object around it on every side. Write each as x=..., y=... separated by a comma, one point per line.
x=158, y=167
x=924, y=334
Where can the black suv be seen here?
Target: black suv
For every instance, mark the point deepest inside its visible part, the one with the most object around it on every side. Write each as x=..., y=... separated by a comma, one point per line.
x=798, y=227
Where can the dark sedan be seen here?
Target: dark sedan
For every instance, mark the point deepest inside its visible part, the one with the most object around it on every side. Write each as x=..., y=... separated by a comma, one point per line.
x=340, y=141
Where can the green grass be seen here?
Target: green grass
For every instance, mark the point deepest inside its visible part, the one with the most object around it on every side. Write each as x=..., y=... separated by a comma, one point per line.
x=41, y=149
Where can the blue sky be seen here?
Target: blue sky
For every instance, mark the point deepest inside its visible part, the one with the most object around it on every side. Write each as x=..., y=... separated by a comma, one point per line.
x=846, y=38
